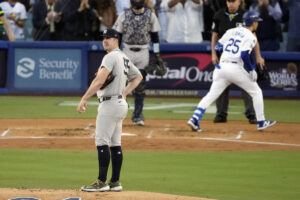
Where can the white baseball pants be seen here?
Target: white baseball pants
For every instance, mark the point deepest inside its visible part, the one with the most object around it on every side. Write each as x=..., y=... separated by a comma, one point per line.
x=234, y=73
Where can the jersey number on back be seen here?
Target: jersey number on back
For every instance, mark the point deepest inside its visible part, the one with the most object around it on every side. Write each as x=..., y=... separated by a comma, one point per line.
x=233, y=46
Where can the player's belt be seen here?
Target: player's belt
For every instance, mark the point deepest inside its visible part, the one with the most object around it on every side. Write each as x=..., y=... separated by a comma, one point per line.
x=135, y=49
x=101, y=99
x=234, y=62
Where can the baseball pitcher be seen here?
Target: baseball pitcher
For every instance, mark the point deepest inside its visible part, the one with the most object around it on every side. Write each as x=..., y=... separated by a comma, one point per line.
x=110, y=85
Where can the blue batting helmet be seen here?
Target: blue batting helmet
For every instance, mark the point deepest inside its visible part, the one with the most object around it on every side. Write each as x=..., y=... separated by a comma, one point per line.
x=250, y=17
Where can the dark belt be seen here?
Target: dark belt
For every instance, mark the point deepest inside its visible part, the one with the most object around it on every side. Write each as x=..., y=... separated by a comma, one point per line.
x=234, y=62
x=101, y=99
x=135, y=49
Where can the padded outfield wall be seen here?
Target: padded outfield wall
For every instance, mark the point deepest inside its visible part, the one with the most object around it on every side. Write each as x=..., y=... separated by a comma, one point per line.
x=68, y=68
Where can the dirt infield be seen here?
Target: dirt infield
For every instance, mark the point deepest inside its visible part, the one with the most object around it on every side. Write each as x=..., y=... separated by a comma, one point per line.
x=6, y=193
x=155, y=135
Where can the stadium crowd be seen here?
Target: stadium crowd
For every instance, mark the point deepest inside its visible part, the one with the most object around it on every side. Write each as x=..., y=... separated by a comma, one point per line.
x=182, y=21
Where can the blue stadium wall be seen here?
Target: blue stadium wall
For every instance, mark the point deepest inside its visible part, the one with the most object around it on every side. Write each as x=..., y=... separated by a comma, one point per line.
x=68, y=68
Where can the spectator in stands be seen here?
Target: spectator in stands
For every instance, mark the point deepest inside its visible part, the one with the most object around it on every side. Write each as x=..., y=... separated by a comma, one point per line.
x=106, y=13
x=150, y=4
x=78, y=18
x=5, y=30
x=26, y=3
x=15, y=13
x=293, y=43
x=122, y=5
x=248, y=3
x=210, y=7
x=162, y=16
x=269, y=30
x=185, y=19
x=46, y=19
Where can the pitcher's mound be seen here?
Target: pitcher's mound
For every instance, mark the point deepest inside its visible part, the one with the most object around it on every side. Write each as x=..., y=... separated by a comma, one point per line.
x=8, y=193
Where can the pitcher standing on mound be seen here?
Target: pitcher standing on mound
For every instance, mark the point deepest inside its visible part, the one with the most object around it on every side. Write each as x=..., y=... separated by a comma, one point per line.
x=110, y=85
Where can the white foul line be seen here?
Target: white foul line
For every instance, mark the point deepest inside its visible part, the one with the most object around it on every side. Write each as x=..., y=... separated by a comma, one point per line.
x=88, y=127
x=149, y=136
x=167, y=127
x=239, y=136
x=5, y=132
x=57, y=137
x=247, y=141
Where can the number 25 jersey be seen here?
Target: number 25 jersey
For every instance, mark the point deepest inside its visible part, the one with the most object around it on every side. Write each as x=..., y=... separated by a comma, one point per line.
x=235, y=41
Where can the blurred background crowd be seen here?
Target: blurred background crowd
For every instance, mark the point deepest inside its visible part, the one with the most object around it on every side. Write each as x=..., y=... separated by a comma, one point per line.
x=181, y=21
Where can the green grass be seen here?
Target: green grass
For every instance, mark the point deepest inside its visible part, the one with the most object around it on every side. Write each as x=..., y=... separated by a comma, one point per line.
x=269, y=175
x=49, y=107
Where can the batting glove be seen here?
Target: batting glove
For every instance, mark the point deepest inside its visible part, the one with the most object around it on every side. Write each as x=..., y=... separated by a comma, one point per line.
x=253, y=75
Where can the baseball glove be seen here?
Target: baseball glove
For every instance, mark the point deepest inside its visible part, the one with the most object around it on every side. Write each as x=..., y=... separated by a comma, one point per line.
x=262, y=73
x=158, y=67
x=108, y=80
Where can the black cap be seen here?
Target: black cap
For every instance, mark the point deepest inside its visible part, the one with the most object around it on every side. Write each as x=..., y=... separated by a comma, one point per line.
x=110, y=33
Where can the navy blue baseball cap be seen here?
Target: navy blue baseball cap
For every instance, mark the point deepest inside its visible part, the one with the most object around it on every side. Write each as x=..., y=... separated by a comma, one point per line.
x=250, y=17
x=110, y=33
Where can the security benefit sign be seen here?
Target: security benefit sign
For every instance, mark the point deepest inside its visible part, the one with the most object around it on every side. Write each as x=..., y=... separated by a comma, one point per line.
x=52, y=69
x=192, y=71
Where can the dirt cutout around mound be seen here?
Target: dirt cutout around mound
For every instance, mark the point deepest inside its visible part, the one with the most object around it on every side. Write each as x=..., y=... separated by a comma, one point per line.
x=7, y=193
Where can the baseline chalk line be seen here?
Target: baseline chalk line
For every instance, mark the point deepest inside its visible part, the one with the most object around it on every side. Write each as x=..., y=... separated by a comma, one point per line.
x=239, y=136
x=88, y=127
x=149, y=136
x=5, y=132
x=246, y=141
x=167, y=127
x=55, y=137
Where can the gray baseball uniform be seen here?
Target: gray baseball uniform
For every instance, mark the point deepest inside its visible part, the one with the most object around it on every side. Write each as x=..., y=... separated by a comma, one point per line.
x=111, y=112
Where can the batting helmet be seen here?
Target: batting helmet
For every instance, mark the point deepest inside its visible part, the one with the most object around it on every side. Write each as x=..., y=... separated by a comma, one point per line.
x=250, y=17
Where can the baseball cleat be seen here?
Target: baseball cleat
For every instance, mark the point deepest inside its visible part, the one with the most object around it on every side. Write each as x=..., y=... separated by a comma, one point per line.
x=220, y=119
x=139, y=123
x=97, y=186
x=261, y=125
x=194, y=124
x=115, y=186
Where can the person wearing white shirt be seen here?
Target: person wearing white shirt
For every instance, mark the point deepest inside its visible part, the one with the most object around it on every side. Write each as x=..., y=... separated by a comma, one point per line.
x=122, y=5
x=16, y=14
x=162, y=16
x=185, y=19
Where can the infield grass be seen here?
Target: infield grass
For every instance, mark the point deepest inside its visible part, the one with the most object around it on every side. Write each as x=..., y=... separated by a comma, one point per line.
x=155, y=108
x=267, y=175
